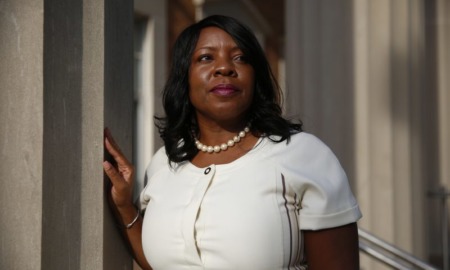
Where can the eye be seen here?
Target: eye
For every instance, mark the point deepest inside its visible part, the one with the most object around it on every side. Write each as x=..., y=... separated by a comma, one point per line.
x=241, y=58
x=204, y=57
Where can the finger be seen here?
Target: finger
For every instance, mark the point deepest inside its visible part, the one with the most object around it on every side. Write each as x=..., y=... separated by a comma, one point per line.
x=115, y=177
x=111, y=140
x=116, y=154
x=124, y=168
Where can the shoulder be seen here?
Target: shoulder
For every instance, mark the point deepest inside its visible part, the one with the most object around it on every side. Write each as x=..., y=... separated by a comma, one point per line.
x=158, y=161
x=302, y=147
x=304, y=159
x=305, y=154
x=306, y=140
x=313, y=171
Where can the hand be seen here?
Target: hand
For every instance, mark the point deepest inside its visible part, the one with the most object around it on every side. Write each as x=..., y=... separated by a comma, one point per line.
x=121, y=175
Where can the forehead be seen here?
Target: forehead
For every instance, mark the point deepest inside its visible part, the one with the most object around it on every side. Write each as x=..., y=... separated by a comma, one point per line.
x=214, y=37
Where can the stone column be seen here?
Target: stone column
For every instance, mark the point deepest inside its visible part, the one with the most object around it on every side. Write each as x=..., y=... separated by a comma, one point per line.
x=443, y=84
x=293, y=91
x=443, y=58
x=389, y=80
x=21, y=133
x=319, y=72
x=66, y=72
x=438, y=83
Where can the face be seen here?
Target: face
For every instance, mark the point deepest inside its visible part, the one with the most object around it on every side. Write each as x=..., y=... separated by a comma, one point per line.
x=221, y=81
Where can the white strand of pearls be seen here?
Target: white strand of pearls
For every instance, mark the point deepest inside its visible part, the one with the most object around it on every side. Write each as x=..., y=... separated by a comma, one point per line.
x=223, y=146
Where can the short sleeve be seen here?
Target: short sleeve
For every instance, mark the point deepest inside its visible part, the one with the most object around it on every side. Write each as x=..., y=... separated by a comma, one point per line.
x=158, y=161
x=326, y=199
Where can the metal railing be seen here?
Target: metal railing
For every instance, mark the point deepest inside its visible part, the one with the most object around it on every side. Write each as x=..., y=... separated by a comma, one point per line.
x=389, y=254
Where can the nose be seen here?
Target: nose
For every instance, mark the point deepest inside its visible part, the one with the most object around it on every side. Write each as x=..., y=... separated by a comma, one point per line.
x=225, y=68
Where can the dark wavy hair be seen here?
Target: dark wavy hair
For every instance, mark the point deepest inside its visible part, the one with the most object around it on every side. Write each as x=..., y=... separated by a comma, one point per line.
x=178, y=127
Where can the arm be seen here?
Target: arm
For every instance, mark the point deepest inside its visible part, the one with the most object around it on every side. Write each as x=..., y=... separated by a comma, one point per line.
x=121, y=178
x=334, y=248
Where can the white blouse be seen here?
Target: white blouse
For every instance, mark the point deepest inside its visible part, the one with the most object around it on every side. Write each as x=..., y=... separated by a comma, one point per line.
x=247, y=214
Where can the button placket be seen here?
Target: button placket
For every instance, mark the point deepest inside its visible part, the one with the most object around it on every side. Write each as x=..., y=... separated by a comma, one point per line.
x=191, y=212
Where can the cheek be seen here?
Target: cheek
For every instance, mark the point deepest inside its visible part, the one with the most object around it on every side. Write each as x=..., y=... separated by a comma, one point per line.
x=192, y=95
x=195, y=96
x=252, y=87
x=197, y=77
x=250, y=78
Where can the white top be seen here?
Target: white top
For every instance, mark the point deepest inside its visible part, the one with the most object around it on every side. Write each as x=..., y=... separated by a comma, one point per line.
x=246, y=214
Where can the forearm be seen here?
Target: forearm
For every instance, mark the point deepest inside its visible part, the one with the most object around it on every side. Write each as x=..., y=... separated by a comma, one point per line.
x=134, y=234
x=334, y=248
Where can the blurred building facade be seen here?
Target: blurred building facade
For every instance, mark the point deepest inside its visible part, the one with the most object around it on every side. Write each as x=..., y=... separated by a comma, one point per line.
x=370, y=78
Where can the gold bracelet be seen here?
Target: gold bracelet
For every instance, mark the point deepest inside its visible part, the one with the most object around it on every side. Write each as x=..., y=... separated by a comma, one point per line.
x=128, y=226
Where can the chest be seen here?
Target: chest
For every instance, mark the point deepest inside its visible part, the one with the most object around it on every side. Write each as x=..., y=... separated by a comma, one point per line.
x=215, y=217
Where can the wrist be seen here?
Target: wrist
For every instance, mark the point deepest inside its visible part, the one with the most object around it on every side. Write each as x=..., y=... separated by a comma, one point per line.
x=127, y=207
x=136, y=218
x=129, y=215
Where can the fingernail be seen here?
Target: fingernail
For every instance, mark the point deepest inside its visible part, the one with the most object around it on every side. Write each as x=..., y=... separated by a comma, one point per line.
x=106, y=165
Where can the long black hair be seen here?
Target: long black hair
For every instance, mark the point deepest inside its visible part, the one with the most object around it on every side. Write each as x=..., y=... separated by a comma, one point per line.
x=178, y=127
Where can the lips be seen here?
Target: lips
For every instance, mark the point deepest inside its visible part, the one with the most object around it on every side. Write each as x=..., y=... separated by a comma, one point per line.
x=224, y=89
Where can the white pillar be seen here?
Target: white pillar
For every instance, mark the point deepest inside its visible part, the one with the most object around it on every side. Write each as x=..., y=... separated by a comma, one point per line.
x=389, y=66
x=443, y=62
x=151, y=79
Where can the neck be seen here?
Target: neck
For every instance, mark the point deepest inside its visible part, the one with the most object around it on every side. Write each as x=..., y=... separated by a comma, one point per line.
x=213, y=132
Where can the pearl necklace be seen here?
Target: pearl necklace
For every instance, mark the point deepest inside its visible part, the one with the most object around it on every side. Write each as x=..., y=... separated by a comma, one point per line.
x=223, y=146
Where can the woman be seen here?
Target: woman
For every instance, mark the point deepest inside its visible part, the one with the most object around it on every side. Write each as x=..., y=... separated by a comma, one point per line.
x=236, y=185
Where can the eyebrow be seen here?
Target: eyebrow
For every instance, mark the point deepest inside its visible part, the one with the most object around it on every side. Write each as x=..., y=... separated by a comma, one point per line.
x=235, y=48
